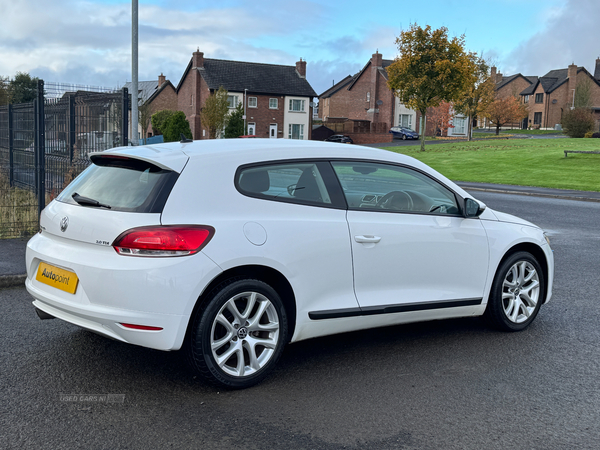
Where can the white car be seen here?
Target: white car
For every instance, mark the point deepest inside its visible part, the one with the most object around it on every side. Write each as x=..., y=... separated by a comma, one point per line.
x=233, y=248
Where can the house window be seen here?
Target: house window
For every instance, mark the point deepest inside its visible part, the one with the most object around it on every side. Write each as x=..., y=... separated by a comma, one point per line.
x=405, y=120
x=252, y=102
x=231, y=101
x=537, y=118
x=526, y=99
x=368, y=96
x=539, y=98
x=459, y=125
x=273, y=103
x=297, y=105
x=296, y=131
x=252, y=129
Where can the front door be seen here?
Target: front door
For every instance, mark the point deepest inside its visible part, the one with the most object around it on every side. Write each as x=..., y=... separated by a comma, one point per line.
x=273, y=131
x=410, y=245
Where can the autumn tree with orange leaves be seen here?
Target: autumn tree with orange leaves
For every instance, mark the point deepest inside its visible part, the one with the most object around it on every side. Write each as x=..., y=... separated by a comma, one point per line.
x=431, y=69
x=504, y=111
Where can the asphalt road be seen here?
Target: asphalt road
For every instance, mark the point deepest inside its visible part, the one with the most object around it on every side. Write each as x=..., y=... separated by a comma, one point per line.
x=452, y=385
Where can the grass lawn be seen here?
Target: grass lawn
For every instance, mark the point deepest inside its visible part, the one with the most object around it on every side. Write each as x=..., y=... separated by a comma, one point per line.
x=519, y=131
x=525, y=162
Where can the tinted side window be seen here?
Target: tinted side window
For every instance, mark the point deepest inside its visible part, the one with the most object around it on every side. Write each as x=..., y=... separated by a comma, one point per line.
x=383, y=187
x=297, y=182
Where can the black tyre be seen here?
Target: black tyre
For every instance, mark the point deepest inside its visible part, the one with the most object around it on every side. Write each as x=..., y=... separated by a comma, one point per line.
x=238, y=337
x=403, y=137
x=517, y=293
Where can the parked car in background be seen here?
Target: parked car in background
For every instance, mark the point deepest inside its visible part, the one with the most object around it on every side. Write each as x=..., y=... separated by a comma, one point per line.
x=231, y=248
x=340, y=138
x=404, y=133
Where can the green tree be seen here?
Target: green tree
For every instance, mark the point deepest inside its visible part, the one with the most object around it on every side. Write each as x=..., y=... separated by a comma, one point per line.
x=145, y=116
x=583, y=93
x=4, y=91
x=431, y=69
x=478, y=96
x=23, y=88
x=174, y=126
x=235, y=123
x=159, y=118
x=577, y=122
x=214, y=113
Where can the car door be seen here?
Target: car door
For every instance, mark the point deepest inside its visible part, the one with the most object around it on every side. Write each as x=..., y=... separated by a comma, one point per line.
x=299, y=214
x=411, y=246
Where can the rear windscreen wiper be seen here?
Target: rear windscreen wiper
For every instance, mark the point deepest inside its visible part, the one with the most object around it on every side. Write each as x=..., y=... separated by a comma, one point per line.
x=88, y=201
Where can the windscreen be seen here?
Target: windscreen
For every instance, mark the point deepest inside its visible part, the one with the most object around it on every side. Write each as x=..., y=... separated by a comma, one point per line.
x=121, y=184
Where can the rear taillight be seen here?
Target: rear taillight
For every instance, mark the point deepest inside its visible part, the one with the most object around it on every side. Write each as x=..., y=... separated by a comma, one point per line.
x=158, y=241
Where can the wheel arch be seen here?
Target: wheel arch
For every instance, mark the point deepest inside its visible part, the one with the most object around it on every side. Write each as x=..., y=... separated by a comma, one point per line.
x=272, y=277
x=538, y=254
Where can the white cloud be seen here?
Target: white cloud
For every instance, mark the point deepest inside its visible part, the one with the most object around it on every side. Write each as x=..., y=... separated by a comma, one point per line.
x=90, y=42
x=568, y=36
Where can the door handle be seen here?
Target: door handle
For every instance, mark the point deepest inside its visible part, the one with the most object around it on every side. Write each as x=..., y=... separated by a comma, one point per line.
x=367, y=239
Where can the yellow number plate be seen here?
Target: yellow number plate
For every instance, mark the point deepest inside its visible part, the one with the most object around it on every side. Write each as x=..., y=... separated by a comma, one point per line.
x=59, y=278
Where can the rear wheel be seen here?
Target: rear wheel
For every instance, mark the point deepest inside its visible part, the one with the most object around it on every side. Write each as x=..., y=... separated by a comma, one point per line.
x=403, y=137
x=239, y=336
x=517, y=293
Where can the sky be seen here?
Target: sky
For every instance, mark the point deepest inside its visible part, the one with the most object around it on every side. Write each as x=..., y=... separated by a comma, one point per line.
x=89, y=42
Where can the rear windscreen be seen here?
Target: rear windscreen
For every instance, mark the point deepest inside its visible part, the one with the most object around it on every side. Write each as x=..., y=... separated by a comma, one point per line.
x=121, y=184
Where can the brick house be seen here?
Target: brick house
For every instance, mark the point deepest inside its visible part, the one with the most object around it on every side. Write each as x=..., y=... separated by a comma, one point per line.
x=277, y=99
x=159, y=95
x=506, y=86
x=366, y=96
x=549, y=96
x=554, y=93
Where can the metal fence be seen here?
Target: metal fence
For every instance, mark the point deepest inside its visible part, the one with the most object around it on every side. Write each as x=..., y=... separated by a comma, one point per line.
x=45, y=144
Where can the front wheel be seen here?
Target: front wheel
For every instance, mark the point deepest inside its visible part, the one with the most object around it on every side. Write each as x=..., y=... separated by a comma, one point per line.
x=517, y=293
x=239, y=336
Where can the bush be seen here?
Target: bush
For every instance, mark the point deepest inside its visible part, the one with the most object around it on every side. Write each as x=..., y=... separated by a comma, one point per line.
x=174, y=126
x=589, y=134
x=235, y=124
x=577, y=122
x=159, y=119
x=596, y=135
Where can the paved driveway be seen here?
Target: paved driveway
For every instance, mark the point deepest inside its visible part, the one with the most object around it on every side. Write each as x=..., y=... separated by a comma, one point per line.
x=452, y=385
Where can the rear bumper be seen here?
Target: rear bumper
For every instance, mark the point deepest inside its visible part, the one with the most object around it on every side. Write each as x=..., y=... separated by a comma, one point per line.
x=115, y=289
x=106, y=321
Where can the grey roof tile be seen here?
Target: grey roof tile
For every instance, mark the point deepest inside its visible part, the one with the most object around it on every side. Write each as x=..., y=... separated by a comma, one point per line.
x=257, y=78
x=146, y=89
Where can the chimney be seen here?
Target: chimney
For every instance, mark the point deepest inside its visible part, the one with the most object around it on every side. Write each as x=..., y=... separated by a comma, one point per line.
x=377, y=59
x=301, y=68
x=493, y=73
x=498, y=78
x=572, y=75
x=161, y=79
x=197, y=59
x=597, y=71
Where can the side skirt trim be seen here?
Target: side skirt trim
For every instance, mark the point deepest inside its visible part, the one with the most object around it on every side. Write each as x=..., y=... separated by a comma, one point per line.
x=391, y=309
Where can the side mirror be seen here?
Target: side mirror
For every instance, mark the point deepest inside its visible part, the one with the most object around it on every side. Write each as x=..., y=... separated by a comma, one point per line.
x=473, y=208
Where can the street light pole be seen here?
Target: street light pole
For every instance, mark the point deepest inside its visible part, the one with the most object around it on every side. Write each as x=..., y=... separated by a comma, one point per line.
x=134, y=73
x=245, y=101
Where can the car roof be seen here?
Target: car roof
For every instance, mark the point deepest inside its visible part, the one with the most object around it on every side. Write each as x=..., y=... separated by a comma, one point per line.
x=253, y=150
